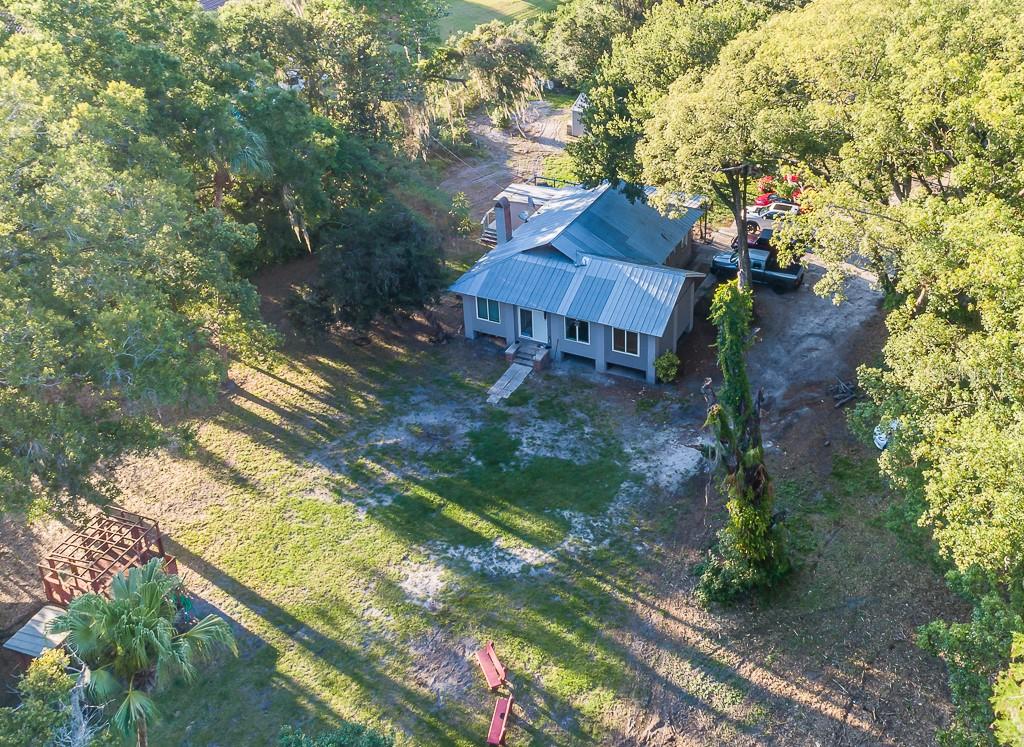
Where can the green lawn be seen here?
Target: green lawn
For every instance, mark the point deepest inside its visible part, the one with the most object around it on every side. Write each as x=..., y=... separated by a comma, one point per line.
x=366, y=521
x=328, y=490
x=465, y=15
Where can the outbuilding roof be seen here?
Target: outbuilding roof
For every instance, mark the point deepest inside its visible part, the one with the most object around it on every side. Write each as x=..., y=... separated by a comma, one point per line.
x=34, y=637
x=589, y=254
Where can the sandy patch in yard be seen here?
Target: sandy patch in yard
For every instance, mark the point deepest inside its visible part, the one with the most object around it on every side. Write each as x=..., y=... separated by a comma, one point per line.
x=423, y=582
x=444, y=666
x=427, y=425
x=667, y=457
x=545, y=438
x=497, y=559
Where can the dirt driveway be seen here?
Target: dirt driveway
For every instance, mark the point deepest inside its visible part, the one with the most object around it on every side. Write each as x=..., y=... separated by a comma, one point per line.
x=507, y=155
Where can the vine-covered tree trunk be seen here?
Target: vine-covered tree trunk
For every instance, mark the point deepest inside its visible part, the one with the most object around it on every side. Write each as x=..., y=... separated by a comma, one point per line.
x=750, y=549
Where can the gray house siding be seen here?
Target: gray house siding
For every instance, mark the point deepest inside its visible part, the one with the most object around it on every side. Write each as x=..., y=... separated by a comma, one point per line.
x=561, y=345
x=682, y=254
x=505, y=328
x=681, y=321
x=600, y=348
x=644, y=362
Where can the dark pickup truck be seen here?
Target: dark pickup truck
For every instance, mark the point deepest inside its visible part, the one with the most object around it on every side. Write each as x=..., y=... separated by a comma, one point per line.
x=764, y=268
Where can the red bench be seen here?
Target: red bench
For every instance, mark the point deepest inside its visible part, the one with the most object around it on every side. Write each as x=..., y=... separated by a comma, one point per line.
x=494, y=672
x=499, y=722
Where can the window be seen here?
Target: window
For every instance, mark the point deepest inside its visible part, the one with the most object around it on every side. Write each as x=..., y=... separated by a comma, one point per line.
x=488, y=310
x=626, y=342
x=577, y=330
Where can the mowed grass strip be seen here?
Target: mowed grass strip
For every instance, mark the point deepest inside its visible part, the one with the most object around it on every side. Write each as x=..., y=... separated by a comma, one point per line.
x=465, y=15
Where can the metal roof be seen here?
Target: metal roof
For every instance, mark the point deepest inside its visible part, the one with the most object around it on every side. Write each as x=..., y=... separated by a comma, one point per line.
x=589, y=254
x=33, y=638
x=601, y=222
x=639, y=298
x=522, y=192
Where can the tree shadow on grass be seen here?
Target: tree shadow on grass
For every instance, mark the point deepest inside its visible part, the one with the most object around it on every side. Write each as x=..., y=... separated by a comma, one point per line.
x=368, y=666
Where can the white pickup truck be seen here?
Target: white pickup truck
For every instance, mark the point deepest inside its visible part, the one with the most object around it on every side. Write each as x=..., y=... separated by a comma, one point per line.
x=760, y=217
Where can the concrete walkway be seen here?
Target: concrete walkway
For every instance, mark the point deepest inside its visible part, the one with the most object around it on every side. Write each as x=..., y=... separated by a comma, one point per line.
x=508, y=383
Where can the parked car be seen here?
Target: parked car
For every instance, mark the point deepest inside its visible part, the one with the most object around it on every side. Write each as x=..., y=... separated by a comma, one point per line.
x=764, y=268
x=760, y=217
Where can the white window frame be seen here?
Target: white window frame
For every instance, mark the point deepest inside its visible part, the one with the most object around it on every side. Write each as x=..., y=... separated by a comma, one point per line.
x=487, y=302
x=577, y=322
x=625, y=339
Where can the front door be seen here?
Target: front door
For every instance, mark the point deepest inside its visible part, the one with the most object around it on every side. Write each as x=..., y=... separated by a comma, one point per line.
x=533, y=325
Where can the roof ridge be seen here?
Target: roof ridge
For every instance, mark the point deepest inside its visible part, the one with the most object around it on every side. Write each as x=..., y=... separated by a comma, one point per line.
x=603, y=187
x=655, y=267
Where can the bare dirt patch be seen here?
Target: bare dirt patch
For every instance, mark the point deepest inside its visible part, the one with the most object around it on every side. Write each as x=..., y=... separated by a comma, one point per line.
x=507, y=155
x=830, y=659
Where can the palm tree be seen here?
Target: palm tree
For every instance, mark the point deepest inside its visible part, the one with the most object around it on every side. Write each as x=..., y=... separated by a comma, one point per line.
x=131, y=645
x=239, y=150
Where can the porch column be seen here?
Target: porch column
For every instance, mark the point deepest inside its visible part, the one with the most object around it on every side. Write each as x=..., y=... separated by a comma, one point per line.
x=597, y=339
x=469, y=317
x=652, y=352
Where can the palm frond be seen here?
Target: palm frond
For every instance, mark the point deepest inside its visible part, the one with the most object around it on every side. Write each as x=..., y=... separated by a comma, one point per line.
x=137, y=707
x=209, y=632
x=103, y=685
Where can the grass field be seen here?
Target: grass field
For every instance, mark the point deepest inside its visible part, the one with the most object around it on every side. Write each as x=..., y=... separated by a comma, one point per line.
x=465, y=15
x=366, y=520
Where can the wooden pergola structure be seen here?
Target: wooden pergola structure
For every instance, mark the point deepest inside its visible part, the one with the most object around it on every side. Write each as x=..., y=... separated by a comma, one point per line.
x=87, y=560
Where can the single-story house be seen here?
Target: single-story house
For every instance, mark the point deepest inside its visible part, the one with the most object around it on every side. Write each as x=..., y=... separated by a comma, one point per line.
x=587, y=274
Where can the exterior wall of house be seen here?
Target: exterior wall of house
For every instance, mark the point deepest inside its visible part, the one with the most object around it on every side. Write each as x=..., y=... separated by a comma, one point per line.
x=599, y=349
x=505, y=328
x=682, y=255
x=644, y=362
x=681, y=321
x=561, y=345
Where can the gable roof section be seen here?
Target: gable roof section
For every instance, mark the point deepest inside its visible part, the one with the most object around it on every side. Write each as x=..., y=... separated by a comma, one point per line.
x=638, y=298
x=601, y=222
x=550, y=221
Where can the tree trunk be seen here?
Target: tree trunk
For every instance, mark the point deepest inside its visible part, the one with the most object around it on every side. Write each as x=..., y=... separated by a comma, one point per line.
x=143, y=733
x=739, y=214
x=221, y=179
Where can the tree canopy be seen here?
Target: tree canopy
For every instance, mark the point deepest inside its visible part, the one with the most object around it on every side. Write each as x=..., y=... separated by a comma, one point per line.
x=903, y=121
x=154, y=155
